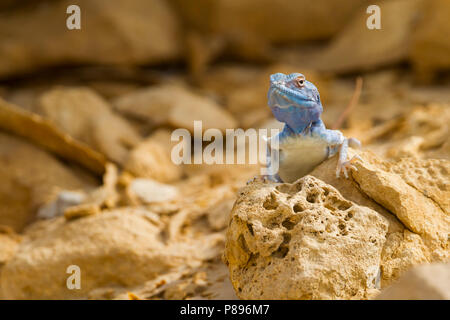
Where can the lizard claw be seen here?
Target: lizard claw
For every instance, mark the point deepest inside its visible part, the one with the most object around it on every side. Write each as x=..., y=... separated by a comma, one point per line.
x=262, y=179
x=354, y=143
x=265, y=179
x=347, y=165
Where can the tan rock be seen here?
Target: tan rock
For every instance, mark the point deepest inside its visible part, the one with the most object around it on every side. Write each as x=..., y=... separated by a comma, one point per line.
x=431, y=177
x=413, y=208
x=430, y=51
x=9, y=241
x=151, y=159
x=402, y=251
x=219, y=214
x=82, y=210
x=403, y=248
x=303, y=241
x=359, y=48
x=176, y=106
x=425, y=282
x=409, y=147
x=88, y=117
x=27, y=185
x=326, y=172
x=126, y=253
x=276, y=23
x=103, y=197
x=101, y=39
x=147, y=191
x=430, y=122
x=44, y=133
x=442, y=152
x=416, y=131
x=209, y=281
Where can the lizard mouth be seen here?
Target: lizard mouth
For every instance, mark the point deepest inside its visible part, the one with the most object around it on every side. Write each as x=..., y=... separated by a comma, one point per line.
x=294, y=95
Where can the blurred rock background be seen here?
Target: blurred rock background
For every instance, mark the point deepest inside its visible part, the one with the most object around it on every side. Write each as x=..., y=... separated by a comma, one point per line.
x=86, y=117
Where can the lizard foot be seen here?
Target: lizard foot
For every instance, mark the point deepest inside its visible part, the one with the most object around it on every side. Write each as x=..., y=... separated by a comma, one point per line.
x=264, y=179
x=347, y=165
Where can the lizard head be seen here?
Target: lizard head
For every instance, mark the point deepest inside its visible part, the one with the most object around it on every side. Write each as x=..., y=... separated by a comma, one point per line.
x=294, y=100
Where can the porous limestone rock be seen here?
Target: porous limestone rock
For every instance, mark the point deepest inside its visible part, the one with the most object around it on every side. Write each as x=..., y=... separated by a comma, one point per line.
x=425, y=282
x=418, y=213
x=326, y=172
x=431, y=177
x=117, y=248
x=303, y=241
x=395, y=189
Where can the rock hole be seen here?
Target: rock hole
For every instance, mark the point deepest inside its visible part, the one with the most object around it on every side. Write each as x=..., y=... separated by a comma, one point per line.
x=298, y=208
x=298, y=187
x=442, y=187
x=344, y=206
x=283, y=188
x=281, y=252
x=271, y=202
x=243, y=243
x=250, y=229
x=286, y=238
x=348, y=216
x=311, y=197
x=288, y=224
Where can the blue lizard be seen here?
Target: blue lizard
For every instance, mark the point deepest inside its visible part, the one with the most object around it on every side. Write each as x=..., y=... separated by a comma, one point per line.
x=305, y=142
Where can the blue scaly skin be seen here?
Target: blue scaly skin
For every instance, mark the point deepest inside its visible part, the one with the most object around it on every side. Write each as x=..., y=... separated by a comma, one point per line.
x=304, y=142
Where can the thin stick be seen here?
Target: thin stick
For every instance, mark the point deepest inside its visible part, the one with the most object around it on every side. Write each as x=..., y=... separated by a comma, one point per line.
x=352, y=104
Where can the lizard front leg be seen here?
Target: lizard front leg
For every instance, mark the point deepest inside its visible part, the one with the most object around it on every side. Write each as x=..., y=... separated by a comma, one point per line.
x=344, y=164
x=335, y=138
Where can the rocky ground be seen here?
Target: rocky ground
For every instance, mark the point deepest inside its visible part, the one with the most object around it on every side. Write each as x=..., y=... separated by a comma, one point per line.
x=88, y=180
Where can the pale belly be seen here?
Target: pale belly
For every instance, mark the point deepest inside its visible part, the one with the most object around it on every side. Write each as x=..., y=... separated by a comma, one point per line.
x=300, y=155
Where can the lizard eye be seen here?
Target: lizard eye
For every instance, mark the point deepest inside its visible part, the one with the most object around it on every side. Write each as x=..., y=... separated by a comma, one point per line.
x=300, y=82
